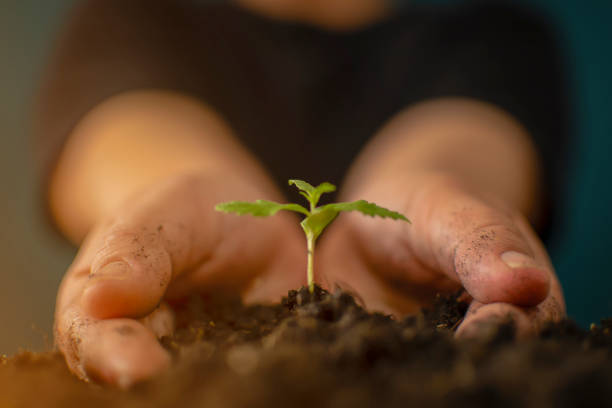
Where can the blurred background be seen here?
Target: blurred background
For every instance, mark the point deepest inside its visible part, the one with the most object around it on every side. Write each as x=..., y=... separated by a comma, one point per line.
x=33, y=259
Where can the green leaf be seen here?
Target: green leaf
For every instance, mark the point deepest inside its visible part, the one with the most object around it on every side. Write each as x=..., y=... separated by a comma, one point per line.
x=315, y=223
x=325, y=187
x=321, y=189
x=366, y=208
x=302, y=185
x=259, y=208
x=312, y=194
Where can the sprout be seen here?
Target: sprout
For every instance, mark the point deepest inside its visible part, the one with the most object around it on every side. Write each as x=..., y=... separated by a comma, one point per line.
x=316, y=218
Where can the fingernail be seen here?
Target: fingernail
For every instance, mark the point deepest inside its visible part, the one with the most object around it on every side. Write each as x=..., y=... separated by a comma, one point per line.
x=518, y=260
x=117, y=270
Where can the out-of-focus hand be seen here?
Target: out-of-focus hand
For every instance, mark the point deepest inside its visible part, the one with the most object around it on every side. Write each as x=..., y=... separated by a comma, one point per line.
x=456, y=239
x=163, y=245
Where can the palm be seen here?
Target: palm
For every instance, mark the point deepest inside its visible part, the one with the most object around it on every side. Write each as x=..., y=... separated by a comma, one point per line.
x=456, y=240
x=363, y=256
x=165, y=244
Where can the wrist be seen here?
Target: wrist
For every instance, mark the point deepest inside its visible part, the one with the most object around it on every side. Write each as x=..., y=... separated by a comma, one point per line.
x=479, y=145
x=132, y=142
x=419, y=186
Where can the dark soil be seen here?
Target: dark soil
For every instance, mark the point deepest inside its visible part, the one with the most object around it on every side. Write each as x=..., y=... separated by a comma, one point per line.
x=326, y=351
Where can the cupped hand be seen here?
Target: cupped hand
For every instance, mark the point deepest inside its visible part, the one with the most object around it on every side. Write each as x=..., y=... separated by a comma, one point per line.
x=456, y=240
x=164, y=245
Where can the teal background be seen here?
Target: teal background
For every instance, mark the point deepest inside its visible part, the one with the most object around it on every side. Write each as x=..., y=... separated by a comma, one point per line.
x=32, y=260
x=581, y=245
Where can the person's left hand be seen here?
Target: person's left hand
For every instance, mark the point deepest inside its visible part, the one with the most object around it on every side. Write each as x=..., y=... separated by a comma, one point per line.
x=456, y=240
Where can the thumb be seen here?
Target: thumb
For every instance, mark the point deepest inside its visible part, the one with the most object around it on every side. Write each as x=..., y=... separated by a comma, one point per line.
x=494, y=265
x=129, y=275
x=131, y=259
x=481, y=247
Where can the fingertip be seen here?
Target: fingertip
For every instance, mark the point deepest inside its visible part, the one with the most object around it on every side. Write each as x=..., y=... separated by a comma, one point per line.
x=484, y=322
x=103, y=300
x=135, y=369
x=109, y=299
x=511, y=277
x=161, y=322
x=527, y=287
x=117, y=291
x=124, y=353
x=523, y=286
x=101, y=297
x=528, y=283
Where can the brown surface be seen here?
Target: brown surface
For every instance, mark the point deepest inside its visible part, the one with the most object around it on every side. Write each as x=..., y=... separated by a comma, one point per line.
x=331, y=353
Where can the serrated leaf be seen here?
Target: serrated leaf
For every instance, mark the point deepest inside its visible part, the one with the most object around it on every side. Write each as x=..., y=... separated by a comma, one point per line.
x=259, y=208
x=366, y=208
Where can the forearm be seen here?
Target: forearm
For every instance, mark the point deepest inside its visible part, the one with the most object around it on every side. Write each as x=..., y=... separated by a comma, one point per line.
x=481, y=146
x=133, y=141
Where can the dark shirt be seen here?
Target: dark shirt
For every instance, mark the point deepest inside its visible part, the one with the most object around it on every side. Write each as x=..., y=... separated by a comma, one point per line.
x=302, y=99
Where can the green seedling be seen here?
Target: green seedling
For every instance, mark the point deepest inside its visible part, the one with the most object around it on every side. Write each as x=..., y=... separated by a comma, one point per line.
x=316, y=218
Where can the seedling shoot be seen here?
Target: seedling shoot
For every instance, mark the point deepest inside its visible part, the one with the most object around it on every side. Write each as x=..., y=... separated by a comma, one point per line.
x=316, y=218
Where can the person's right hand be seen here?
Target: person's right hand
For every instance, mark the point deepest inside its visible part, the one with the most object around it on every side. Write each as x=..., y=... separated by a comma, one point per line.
x=165, y=244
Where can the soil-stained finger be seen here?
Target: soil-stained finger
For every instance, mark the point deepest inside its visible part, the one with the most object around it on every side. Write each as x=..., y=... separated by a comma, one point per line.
x=118, y=352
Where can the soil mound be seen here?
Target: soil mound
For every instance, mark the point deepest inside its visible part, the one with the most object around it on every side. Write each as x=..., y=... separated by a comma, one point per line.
x=324, y=350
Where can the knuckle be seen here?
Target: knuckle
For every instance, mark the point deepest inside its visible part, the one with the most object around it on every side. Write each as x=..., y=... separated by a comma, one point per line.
x=479, y=225
x=486, y=239
x=141, y=248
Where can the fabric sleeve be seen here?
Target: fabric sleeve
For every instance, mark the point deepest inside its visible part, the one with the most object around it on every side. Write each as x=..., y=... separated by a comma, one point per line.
x=109, y=47
x=99, y=51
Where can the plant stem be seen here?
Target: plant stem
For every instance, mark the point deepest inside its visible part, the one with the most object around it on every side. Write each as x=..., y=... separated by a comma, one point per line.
x=310, y=269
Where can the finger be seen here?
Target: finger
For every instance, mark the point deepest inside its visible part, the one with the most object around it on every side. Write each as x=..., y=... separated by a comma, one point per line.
x=125, y=267
x=132, y=258
x=479, y=245
x=116, y=351
x=129, y=274
x=122, y=352
x=286, y=271
x=161, y=322
x=260, y=259
x=339, y=264
x=482, y=320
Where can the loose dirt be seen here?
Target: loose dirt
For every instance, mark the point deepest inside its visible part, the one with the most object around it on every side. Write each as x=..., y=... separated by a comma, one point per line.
x=324, y=350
